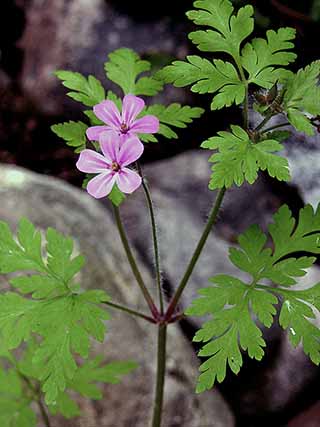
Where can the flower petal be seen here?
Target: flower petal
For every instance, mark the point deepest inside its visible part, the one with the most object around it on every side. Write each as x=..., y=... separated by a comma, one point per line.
x=101, y=185
x=110, y=145
x=108, y=112
x=130, y=151
x=147, y=124
x=92, y=162
x=94, y=132
x=128, y=181
x=131, y=107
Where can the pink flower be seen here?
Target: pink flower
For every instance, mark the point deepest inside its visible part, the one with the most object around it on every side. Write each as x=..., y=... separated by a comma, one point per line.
x=111, y=166
x=125, y=124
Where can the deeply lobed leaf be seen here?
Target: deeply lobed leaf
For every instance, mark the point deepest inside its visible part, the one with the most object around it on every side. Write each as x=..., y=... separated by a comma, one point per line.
x=207, y=77
x=260, y=57
x=230, y=29
x=89, y=91
x=239, y=159
x=125, y=67
x=233, y=303
x=302, y=97
x=64, y=318
x=74, y=133
x=173, y=115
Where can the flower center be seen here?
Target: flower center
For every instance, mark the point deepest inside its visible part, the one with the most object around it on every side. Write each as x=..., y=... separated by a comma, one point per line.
x=124, y=128
x=115, y=167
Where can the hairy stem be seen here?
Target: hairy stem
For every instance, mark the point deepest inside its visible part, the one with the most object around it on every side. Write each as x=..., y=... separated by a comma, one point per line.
x=161, y=371
x=130, y=311
x=133, y=264
x=154, y=236
x=211, y=221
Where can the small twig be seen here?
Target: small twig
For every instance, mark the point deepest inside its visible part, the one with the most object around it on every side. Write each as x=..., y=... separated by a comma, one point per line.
x=155, y=237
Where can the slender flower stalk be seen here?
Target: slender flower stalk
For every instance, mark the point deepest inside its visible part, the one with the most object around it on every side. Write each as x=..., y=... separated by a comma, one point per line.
x=154, y=236
x=136, y=272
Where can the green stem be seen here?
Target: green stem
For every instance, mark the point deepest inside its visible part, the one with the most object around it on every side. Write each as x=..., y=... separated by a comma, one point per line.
x=275, y=127
x=133, y=264
x=37, y=397
x=264, y=121
x=211, y=221
x=246, y=101
x=129, y=311
x=154, y=236
x=44, y=414
x=161, y=371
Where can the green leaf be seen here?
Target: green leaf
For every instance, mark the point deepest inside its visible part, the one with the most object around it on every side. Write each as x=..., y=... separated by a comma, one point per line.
x=124, y=68
x=173, y=115
x=89, y=91
x=298, y=317
x=85, y=382
x=289, y=237
x=228, y=324
x=239, y=159
x=59, y=261
x=15, y=406
x=66, y=328
x=22, y=255
x=232, y=303
x=65, y=406
x=260, y=57
x=116, y=196
x=94, y=371
x=302, y=97
x=207, y=77
x=230, y=29
x=74, y=133
x=64, y=318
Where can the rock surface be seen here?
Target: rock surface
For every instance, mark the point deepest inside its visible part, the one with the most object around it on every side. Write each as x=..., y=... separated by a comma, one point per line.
x=49, y=202
x=309, y=418
x=79, y=35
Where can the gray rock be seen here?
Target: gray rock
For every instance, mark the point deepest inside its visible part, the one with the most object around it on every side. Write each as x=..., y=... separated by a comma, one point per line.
x=79, y=35
x=49, y=202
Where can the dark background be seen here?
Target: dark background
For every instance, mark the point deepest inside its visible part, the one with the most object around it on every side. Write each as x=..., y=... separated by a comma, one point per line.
x=38, y=37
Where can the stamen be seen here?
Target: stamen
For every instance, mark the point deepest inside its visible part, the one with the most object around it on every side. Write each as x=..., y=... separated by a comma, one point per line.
x=124, y=128
x=115, y=167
